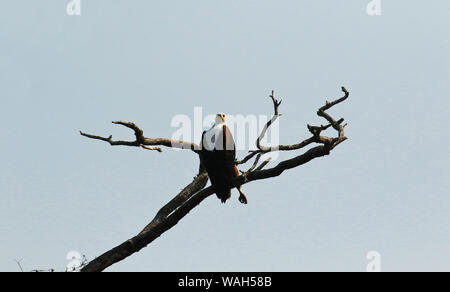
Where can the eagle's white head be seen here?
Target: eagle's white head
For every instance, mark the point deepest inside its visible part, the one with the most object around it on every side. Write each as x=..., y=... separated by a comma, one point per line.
x=211, y=136
x=220, y=119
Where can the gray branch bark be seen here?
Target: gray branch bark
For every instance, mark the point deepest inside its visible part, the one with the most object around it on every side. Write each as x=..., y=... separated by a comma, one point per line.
x=195, y=192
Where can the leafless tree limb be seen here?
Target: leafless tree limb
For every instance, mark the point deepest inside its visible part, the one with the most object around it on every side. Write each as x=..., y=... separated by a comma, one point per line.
x=314, y=130
x=43, y=271
x=142, y=141
x=195, y=192
x=18, y=262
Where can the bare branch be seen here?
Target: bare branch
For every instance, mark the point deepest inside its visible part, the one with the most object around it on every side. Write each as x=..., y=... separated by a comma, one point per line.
x=18, y=263
x=261, y=148
x=144, y=142
x=248, y=157
x=276, y=105
x=321, y=112
x=162, y=224
x=265, y=162
x=314, y=130
x=43, y=271
x=254, y=163
x=196, y=185
x=151, y=148
x=194, y=193
x=166, y=218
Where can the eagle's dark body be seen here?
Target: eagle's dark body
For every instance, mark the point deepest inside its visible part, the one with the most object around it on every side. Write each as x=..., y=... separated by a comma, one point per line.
x=219, y=162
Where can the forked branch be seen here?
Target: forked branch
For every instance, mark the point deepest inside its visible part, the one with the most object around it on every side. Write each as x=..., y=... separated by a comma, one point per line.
x=314, y=130
x=195, y=192
x=144, y=142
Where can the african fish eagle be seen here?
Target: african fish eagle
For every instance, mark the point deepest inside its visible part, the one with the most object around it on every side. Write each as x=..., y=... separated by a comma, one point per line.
x=217, y=156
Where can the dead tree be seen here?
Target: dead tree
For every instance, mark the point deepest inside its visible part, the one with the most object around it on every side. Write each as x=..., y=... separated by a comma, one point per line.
x=195, y=192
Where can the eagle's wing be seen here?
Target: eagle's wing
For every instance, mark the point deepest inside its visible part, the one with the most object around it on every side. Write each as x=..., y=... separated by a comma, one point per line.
x=219, y=161
x=226, y=141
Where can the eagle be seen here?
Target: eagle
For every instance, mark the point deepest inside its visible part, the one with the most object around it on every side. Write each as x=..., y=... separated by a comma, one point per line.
x=217, y=156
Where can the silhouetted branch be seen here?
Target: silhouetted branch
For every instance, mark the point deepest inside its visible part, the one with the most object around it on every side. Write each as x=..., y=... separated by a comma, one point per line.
x=166, y=217
x=314, y=130
x=144, y=142
x=18, y=263
x=195, y=192
x=161, y=223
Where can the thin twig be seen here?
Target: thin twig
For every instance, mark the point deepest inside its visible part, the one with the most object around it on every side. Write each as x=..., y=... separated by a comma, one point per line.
x=18, y=263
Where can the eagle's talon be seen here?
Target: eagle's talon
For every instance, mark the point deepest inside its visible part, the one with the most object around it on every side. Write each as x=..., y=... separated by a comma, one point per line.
x=243, y=199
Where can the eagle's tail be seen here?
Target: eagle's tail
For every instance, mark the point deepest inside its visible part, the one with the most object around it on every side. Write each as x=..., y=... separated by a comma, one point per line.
x=224, y=195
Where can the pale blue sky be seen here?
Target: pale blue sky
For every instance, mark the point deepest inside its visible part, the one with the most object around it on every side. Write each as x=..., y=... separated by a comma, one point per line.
x=385, y=189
